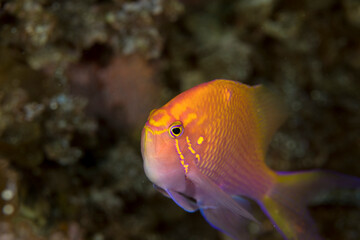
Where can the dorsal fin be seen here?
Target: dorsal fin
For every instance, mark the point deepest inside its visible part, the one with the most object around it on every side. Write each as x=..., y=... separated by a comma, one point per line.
x=271, y=112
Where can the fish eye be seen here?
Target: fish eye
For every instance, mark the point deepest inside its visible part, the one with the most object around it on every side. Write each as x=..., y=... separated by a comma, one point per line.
x=176, y=129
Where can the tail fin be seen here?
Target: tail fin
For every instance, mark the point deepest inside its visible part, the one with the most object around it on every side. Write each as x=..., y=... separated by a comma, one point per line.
x=285, y=204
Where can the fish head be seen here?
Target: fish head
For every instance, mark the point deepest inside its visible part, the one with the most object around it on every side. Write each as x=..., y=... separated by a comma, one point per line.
x=166, y=146
x=161, y=160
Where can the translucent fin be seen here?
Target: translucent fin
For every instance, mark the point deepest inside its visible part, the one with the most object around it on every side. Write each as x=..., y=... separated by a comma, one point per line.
x=271, y=113
x=244, y=202
x=226, y=221
x=219, y=208
x=185, y=202
x=162, y=191
x=285, y=204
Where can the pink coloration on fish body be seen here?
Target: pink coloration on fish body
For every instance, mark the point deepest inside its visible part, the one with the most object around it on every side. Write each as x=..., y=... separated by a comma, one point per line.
x=206, y=148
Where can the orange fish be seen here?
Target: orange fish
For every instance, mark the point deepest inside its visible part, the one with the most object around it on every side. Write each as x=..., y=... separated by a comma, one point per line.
x=206, y=148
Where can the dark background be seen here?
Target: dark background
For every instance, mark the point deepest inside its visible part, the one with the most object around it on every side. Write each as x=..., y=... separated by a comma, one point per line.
x=78, y=79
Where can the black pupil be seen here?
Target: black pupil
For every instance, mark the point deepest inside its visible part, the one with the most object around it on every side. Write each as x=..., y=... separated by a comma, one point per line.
x=176, y=130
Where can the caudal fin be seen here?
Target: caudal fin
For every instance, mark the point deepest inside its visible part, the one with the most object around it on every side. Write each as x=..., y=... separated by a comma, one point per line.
x=286, y=203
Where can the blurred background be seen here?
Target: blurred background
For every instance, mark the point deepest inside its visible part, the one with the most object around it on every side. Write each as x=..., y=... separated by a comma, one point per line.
x=78, y=79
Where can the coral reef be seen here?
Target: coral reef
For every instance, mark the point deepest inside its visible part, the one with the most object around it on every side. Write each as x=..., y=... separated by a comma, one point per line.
x=53, y=32
x=37, y=119
x=78, y=79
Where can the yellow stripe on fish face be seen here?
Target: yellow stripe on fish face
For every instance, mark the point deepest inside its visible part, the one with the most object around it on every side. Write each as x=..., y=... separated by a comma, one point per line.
x=189, y=145
x=197, y=156
x=159, y=118
x=178, y=149
x=177, y=110
x=186, y=166
x=158, y=123
x=189, y=118
x=181, y=111
x=155, y=132
x=182, y=157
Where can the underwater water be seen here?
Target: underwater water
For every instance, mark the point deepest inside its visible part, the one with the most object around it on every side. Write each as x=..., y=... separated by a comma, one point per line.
x=79, y=78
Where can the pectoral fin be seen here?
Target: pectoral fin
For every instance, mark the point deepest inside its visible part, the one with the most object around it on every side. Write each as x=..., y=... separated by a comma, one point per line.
x=185, y=202
x=162, y=191
x=227, y=221
x=219, y=208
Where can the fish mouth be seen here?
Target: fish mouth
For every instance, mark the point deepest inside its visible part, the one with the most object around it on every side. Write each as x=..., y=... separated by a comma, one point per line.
x=148, y=151
x=147, y=128
x=147, y=136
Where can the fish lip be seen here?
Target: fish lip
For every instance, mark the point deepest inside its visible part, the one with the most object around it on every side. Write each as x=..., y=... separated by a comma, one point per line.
x=144, y=135
x=148, y=128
